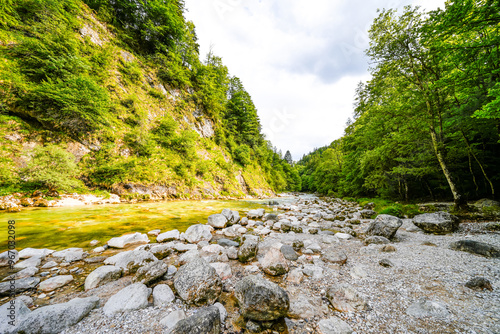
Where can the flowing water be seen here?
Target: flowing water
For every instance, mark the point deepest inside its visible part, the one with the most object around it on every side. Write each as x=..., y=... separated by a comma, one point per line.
x=64, y=227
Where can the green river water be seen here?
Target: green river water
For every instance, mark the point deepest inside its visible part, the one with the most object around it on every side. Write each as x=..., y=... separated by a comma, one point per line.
x=63, y=227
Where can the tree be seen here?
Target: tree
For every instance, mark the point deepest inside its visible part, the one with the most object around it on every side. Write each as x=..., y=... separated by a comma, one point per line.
x=52, y=167
x=288, y=158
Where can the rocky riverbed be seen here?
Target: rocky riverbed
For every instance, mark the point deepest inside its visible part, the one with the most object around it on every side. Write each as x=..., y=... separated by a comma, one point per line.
x=318, y=266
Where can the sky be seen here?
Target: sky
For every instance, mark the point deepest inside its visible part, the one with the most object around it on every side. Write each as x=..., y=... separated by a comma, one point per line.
x=300, y=60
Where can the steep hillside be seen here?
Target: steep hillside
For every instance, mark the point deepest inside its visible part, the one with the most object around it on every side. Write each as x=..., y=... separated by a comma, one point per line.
x=119, y=85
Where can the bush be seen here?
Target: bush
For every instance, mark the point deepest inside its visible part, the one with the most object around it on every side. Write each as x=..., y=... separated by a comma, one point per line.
x=393, y=211
x=52, y=167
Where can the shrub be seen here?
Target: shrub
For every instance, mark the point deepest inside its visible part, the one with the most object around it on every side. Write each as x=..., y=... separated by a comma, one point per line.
x=242, y=155
x=52, y=167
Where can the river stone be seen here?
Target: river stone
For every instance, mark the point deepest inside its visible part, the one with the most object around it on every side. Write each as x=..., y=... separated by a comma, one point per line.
x=260, y=299
x=376, y=239
x=181, y=248
x=367, y=214
x=205, y=320
x=232, y=216
x=50, y=264
x=21, y=285
x=130, y=261
x=274, y=263
x=15, y=312
x=132, y=297
x=9, y=255
x=437, y=223
x=102, y=275
x=162, y=295
x=55, y=318
x=168, y=236
x=30, y=262
x=173, y=318
x=315, y=272
x=334, y=256
x=70, y=254
x=423, y=308
x=198, y=283
x=476, y=247
x=479, y=283
x=30, y=252
x=303, y=306
x=222, y=269
x=56, y=282
x=26, y=272
x=150, y=272
x=232, y=253
x=162, y=251
x=334, y=325
x=384, y=226
x=256, y=214
x=345, y=299
x=128, y=240
x=248, y=250
x=227, y=243
x=289, y=253
x=217, y=220
x=197, y=233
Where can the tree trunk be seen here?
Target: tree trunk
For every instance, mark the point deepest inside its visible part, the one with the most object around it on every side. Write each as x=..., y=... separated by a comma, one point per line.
x=460, y=202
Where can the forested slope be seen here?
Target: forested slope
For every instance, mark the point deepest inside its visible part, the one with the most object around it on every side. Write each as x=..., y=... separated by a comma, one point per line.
x=427, y=125
x=113, y=95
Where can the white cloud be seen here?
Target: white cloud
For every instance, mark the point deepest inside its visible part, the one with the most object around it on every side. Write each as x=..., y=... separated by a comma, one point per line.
x=300, y=61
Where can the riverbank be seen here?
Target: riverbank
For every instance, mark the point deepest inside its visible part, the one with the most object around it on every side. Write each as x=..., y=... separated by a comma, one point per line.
x=324, y=267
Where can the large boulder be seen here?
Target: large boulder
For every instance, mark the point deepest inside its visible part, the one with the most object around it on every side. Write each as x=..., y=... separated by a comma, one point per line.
x=151, y=272
x=56, y=282
x=217, y=221
x=102, y=275
x=27, y=272
x=197, y=233
x=70, y=254
x=345, y=299
x=132, y=297
x=248, y=250
x=128, y=240
x=260, y=299
x=11, y=314
x=35, y=252
x=256, y=214
x=384, y=226
x=55, y=318
x=130, y=261
x=206, y=321
x=198, y=283
x=163, y=295
x=274, y=263
x=476, y=247
x=19, y=285
x=232, y=216
x=437, y=222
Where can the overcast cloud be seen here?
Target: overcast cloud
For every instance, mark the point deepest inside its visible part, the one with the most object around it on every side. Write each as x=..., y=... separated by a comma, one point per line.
x=299, y=60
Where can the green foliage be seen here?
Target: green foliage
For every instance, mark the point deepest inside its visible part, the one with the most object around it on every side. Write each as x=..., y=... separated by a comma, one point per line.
x=52, y=167
x=242, y=155
x=78, y=104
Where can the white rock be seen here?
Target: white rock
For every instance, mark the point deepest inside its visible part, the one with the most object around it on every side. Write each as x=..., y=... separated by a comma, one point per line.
x=213, y=249
x=154, y=232
x=168, y=236
x=30, y=252
x=102, y=275
x=173, y=318
x=128, y=240
x=30, y=262
x=50, y=264
x=162, y=295
x=9, y=255
x=334, y=325
x=26, y=272
x=217, y=221
x=181, y=248
x=343, y=236
x=98, y=250
x=130, y=261
x=93, y=243
x=132, y=297
x=222, y=269
x=70, y=254
x=222, y=312
x=197, y=233
x=55, y=282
